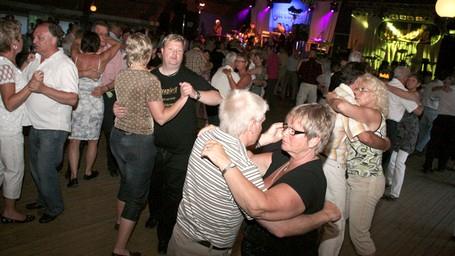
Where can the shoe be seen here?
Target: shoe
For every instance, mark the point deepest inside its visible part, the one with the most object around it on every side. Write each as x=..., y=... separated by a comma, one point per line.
x=389, y=197
x=93, y=175
x=6, y=220
x=32, y=206
x=130, y=253
x=151, y=222
x=72, y=183
x=46, y=218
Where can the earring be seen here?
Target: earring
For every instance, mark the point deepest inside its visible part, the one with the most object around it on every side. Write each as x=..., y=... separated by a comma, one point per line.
x=14, y=47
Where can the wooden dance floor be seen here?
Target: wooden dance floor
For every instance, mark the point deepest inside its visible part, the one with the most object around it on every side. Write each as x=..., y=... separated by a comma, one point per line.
x=420, y=222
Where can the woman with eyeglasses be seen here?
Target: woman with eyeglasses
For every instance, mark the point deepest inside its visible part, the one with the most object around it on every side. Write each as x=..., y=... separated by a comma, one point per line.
x=365, y=176
x=241, y=64
x=295, y=181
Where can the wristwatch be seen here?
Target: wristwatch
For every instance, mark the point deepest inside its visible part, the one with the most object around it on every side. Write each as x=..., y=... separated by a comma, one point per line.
x=198, y=95
x=229, y=166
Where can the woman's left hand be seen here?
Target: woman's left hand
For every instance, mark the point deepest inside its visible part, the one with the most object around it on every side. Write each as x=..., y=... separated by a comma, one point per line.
x=272, y=135
x=214, y=151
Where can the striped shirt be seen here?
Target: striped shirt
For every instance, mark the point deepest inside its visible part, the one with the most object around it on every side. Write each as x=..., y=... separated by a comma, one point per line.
x=208, y=211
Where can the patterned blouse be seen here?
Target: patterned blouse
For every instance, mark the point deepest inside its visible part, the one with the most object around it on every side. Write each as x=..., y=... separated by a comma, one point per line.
x=363, y=160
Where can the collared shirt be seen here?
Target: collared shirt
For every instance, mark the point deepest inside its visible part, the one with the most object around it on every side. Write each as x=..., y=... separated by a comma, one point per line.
x=11, y=122
x=195, y=61
x=60, y=73
x=398, y=105
x=344, y=127
x=221, y=82
x=431, y=99
x=446, y=101
x=113, y=67
x=208, y=211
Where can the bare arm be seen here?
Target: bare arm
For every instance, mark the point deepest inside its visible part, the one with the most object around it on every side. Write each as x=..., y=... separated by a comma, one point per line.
x=13, y=100
x=262, y=161
x=368, y=116
x=67, y=98
x=241, y=84
x=372, y=140
x=404, y=94
x=303, y=223
x=279, y=202
x=211, y=97
x=107, y=55
x=162, y=114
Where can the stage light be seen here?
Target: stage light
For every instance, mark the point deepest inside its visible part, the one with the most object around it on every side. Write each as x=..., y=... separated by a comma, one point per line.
x=250, y=6
x=310, y=8
x=93, y=7
x=333, y=6
x=445, y=8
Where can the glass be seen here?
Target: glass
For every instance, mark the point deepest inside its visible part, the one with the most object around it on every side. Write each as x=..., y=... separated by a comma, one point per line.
x=291, y=130
x=361, y=89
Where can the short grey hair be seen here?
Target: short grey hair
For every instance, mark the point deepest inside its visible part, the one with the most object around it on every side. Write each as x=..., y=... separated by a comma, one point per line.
x=238, y=109
x=316, y=120
x=401, y=72
x=230, y=58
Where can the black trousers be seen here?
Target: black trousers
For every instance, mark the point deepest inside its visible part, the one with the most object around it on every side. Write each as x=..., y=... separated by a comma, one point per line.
x=106, y=128
x=442, y=142
x=170, y=171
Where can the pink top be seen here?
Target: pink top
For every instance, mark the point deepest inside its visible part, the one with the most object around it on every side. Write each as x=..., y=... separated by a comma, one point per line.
x=273, y=63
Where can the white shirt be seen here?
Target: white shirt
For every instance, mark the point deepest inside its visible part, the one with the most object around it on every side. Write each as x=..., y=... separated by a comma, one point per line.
x=430, y=98
x=221, y=82
x=446, y=101
x=398, y=105
x=60, y=73
x=11, y=122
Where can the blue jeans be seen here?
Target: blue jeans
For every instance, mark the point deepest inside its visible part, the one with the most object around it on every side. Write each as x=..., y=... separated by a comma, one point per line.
x=426, y=123
x=135, y=155
x=46, y=154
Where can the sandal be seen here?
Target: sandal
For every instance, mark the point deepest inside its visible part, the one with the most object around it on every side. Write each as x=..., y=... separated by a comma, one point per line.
x=6, y=220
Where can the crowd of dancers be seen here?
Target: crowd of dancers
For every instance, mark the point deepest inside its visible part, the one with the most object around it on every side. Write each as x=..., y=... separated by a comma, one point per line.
x=312, y=172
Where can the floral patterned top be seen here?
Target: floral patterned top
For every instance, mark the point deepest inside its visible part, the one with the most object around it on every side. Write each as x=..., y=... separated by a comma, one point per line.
x=365, y=161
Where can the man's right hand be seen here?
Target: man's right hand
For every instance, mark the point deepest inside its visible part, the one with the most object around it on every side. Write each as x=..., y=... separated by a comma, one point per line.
x=119, y=111
x=332, y=211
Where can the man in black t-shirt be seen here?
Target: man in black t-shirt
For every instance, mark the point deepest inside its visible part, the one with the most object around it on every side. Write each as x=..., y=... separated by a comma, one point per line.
x=175, y=139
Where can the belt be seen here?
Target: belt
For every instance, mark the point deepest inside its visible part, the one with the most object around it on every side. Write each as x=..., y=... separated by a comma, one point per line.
x=124, y=132
x=209, y=245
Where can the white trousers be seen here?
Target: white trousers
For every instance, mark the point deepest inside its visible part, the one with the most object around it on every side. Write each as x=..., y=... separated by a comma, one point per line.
x=395, y=171
x=307, y=93
x=336, y=193
x=11, y=165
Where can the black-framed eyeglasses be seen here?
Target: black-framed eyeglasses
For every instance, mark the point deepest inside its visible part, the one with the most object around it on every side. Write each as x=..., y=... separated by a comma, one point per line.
x=291, y=130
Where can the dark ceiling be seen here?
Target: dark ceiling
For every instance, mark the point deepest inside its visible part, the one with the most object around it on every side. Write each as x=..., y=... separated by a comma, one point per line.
x=151, y=9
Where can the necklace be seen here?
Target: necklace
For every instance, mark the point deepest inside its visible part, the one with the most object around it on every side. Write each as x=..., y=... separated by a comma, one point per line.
x=278, y=174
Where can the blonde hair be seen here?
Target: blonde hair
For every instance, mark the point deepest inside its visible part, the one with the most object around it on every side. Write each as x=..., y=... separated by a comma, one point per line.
x=138, y=49
x=10, y=30
x=238, y=109
x=379, y=89
x=174, y=37
x=316, y=120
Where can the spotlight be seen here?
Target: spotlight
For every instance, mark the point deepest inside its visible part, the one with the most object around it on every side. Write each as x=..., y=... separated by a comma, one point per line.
x=334, y=6
x=93, y=7
x=250, y=6
x=310, y=8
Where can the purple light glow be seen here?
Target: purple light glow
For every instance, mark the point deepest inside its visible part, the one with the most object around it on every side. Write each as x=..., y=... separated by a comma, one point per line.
x=322, y=26
x=332, y=11
x=250, y=6
x=262, y=14
x=243, y=14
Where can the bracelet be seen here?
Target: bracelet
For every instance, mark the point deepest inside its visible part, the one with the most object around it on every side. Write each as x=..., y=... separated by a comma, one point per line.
x=229, y=166
x=198, y=95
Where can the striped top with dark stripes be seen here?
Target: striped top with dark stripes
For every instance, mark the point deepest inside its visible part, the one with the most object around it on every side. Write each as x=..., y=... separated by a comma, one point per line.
x=208, y=211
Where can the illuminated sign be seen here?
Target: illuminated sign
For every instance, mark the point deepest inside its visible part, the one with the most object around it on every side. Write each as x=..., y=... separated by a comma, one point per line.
x=295, y=12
